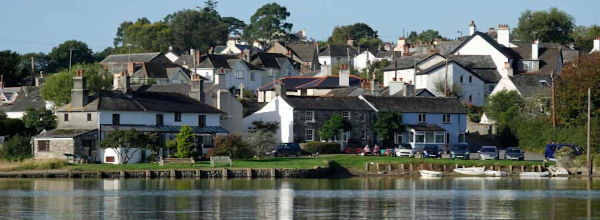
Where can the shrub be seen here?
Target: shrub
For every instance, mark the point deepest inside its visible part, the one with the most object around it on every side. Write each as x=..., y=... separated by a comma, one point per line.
x=16, y=148
x=474, y=117
x=233, y=146
x=322, y=147
x=564, y=157
x=596, y=161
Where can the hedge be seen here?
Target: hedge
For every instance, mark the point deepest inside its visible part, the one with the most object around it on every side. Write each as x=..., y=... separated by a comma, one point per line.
x=322, y=147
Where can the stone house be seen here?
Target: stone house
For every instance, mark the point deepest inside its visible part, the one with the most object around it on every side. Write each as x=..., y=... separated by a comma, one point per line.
x=306, y=54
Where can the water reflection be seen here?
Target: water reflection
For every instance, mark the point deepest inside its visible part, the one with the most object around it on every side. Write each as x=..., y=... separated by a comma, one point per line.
x=463, y=197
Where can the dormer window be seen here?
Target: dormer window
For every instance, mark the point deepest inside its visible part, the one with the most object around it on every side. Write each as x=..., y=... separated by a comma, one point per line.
x=543, y=82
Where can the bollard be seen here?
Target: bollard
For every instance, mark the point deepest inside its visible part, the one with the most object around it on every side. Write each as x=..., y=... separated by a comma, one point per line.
x=249, y=173
x=272, y=172
x=522, y=168
x=401, y=167
x=377, y=167
x=540, y=168
x=510, y=168
x=444, y=168
x=198, y=173
x=147, y=174
x=389, y=168
x=172, y=174
x=410, y=167
x=367, y=167
x=121, y=174
x=98, y=174
x=455, y=166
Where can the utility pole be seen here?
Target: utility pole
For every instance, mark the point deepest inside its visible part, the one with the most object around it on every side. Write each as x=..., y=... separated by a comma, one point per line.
x=553, y=103
x=589, y=162
x=446, y=80
x=70, y=57
x=32, y=71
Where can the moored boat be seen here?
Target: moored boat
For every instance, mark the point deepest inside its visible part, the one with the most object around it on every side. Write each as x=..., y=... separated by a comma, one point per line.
x=535, y=174
x=475, y=171
x=558, y=171
x=494, y=173
x=429, y=173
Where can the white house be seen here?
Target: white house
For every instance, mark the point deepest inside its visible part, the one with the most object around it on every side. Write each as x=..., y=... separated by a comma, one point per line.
x=363, y=59
x=86, y=121
x=275, y=66
x=334, y=54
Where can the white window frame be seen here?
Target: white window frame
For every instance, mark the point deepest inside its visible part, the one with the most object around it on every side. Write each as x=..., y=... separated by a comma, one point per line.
x=347, y=115
x=461, y=138
x=422, y=118
x=411, y=137
x=239, y=74
x=432, y=140
x=312, y=116
x=252, y=76
x=446, y=119
x=417, y=135
x=364, y=134
x=311, y=136
x=345, y=136
x=398, y=138
x=442, y=134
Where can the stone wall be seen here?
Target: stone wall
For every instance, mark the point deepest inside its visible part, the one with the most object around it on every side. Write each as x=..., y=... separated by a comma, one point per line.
x=58, y=147
x=300, y=125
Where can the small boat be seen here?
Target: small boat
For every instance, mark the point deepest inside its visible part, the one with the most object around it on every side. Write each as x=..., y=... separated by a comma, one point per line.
x=475, y=171
x=429, y=173
x=535, y=174
x=494, y=173
x=558, y=171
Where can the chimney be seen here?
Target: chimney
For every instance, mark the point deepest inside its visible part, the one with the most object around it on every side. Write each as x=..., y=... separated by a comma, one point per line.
x=242, y=88
x=535, y=48
x=472, y=28
x=492, y=31
x=289, y=53
x=130, y=67
x=197, y=88
x=325, y=70
x=246, y=55
x=197, y=57
x=39, y=81
x=170, y=48
x=350, y=42
x=596, y=46
x=344, y=76
x=220, y=79
x=211, y=50
x=79, y=93
x=280, y=88
x=508, y=69
x=504, y=35
x=192, y=52
x=231, y=41
x=1, y=81
x=396, y=87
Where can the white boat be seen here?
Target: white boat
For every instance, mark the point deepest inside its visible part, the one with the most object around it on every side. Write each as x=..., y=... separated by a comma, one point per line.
x=535, y=174
x=429, y=173
x=476, y=171
x=558, y=171
x=494, y=173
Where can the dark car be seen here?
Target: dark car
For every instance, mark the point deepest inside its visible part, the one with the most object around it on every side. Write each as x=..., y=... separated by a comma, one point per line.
x=514, y=153
x=432, y=151
x=460, y=151
x=553, y=148
x=287, y=149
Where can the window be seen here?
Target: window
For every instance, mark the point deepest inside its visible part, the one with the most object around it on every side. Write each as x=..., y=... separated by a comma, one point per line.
x=411, y=137
x=309, y=135
x=289, y=71
x=270, y=72
x=398, y=139
x=429, y=137
x=252, y=76
x=207, y=141
x=526, y=66
x=178, y=116
x=89, y=116
x=470, y=79
x=346, y=136
x=116, y=119
x=470, y=98
x=545, y=83
x=362, y=116
x=461, y=138
x=461, y=79
x=110, y=159
x=309, y=116
x=420, y=137
x=201, y=120
x=364, y=134
x=439, y=137
x=422, y=118
x=446, y=118
x=44, y=145
x=159, y=119
x=239, y=74
x=346, y=114
x=66, y=117
x=447, y=138
x=490, y=88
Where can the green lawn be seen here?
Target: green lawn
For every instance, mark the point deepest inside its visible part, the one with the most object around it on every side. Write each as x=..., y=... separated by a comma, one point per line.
x=351, y=162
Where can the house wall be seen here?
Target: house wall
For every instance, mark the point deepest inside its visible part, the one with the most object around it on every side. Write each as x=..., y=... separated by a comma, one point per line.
x=279, y=111
x=249, y=83
x=475, y=88
x=505, y=84
x=430, y=61
x=179, y=78
x=478, y=46
x=136, y=155
x=407, y=76
x=149, y=118
x=457, y=125
x=15, y=115
x=321, y=116
x=58, y=147
x=77, y=120
x=360, y=61
x=334, y=60
x=229, y=104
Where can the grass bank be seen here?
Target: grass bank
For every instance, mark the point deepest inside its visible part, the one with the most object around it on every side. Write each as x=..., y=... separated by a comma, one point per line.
x=32, y=164
x=350, y=162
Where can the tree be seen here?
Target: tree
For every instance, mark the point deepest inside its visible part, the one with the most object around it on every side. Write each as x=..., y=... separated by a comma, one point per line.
x=60, y=54
x=375, y=68
x=234, y=25
x=387, y=124
x=57, y=87
x=233, y=146
x=268, y=24
x=42, y=61
x=143, y=36
x=447, y=90
x=571, y=91
x=583, y=37
x=185, y=142
x=16, y=148
x=362, y=33
x=11, y=126
x=550, y=26
x=332, y=126
x=125, y=143
x=199, y=29
x=118, y=41
x=501, y=102
x=10, y=68
x=428, y=35
x=39, y=120
x=261, y=137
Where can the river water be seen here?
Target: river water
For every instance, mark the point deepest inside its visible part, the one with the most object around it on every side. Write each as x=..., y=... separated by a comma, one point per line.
x=356, y=198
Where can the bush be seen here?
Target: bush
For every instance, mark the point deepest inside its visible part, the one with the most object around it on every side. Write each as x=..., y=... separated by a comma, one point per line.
x=474, y=117
x=233, y=146
x=322, y=147
x=596, y=161
x=16, y=148
x=564, y=157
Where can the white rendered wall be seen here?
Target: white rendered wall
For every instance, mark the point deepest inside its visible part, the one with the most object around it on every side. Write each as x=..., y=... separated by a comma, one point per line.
x=149, y=118
x=279, y=111
x=478, y=46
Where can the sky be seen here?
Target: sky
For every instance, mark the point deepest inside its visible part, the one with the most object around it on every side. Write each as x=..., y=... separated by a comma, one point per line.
x=39, y=25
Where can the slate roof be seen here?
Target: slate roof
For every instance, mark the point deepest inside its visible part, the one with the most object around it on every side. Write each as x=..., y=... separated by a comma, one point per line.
x=124, y=58
x=233, y=62
x=548, y=56
x=481, y=66
x=387, y=54
x=143, y=101
x=293, y=83
x=426, y=127
x=337, y=51
x=417, y=104
x=28, y=97
x=348, y=91
x=529, y=85
x=165, y=128
x=405, y=62
x=269, y=60
x=305, y=51
x=507, y=52
x=64, y=133
x=327, y=103
x=213, y=61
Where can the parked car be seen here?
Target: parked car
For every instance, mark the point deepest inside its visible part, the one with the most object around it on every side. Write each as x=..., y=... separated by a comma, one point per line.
x=405, y=150
x=287, y=149
x=553, y=148
x=514, y=153
x=432, y=151
x=488, y=153
x=460, y=151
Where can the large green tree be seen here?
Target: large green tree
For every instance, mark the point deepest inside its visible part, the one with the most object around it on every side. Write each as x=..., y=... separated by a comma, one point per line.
x=268, y=23
x=16, y=148
x=550, y=26
x=200, y=28
x=60, y=54
x=147, y=37
x=57, y=87
x=361, y=33
x=10, y=68
x=501, y=102
x=234, y=25
x=583, y=37
x=428, y=35
x=39, y=120
x=387, y=124
x=332, y=126
x=572, y=94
